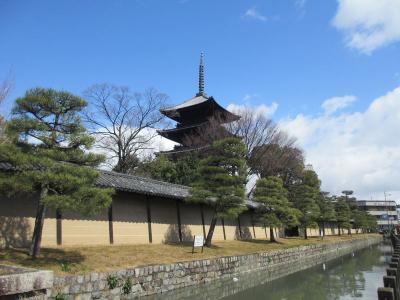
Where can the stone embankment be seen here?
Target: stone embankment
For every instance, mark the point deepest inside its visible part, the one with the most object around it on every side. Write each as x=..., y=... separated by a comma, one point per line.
x=140, y=281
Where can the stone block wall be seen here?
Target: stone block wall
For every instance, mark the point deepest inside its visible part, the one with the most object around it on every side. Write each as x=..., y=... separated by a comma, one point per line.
x=158, y=279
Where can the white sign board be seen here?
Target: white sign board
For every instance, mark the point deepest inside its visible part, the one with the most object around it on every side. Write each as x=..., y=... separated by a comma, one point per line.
x=198, y=241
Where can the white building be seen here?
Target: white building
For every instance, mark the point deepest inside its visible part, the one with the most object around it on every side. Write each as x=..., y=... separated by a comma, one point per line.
x=384, y=211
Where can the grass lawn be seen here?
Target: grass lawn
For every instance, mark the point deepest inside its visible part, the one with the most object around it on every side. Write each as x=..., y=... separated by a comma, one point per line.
x=77, y=260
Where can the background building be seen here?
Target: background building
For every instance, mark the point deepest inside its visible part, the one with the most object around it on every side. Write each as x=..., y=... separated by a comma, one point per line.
x=384, y=211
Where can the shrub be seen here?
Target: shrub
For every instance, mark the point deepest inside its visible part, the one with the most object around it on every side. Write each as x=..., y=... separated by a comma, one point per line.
x=112, y=281
x=65, y=266
x=60, y=296
x=127, y=287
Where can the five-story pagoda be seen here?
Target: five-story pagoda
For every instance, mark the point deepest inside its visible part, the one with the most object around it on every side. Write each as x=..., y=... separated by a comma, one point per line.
x=195, y=119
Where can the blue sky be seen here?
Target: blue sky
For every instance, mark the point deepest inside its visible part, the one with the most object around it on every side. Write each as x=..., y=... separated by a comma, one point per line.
x=293, y=55
x=296, y=53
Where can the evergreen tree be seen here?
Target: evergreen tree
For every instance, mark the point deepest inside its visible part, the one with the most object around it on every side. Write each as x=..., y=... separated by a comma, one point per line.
x=327, y=210
x=182, y=171
x=360, y=219
x=370, y=223
x=49, y=157
x=343, y=214
x=275, y=209
x=304, y=197
x=187, y=168
x=364, y=221
x=221, y=181
x=159, y=168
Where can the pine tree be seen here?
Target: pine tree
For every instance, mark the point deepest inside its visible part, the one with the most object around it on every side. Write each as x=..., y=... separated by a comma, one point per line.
x=221, y=181
x=48, y=156
x=275, y=209
x=304, y=197
x=327, y=210
x=343, y=214
x=352, y=203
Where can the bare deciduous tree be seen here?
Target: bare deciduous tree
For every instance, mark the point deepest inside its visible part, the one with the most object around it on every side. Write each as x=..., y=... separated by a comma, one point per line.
x=5, y=89
x=123, y=122
x=260, y=135
x=284, y=161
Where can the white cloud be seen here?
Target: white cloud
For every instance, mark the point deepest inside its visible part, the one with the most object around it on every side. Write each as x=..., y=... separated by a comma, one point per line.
x=368, y=24
x=358, y=151
x=334, y=104
x=258, y=110
x=253, y=13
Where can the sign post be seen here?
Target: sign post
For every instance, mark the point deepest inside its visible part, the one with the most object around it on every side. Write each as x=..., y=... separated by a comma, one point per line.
x=198, y=241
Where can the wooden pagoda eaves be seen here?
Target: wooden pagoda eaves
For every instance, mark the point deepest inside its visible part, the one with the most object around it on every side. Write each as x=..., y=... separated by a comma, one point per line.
x=192, y=115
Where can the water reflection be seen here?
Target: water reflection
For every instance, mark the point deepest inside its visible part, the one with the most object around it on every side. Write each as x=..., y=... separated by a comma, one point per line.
x=355, y=276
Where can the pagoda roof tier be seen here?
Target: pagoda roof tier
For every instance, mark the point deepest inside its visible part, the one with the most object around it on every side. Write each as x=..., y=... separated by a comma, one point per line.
x=183, y=150
x=198, y=109
x=178, y=134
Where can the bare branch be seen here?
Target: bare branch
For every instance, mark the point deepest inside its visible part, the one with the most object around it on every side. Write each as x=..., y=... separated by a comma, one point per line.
x=5, y=90
x=122, y=120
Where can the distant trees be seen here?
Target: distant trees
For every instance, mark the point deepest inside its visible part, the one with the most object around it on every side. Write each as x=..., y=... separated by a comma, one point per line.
x=275, y=210
x=48, y=156
x=123, y=122
x=221, y=181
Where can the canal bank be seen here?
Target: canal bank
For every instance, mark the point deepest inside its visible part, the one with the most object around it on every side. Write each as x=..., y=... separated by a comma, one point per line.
x=157, y=279
x=356, y=275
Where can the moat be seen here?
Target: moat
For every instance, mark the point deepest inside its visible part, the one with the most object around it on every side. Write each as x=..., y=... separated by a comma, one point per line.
x=354, y=276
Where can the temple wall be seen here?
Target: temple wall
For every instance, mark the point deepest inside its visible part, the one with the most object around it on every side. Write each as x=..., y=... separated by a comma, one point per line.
x=191, y=222
x=231, y=229
x=129, y=219
x=129, y=224
x=246, y=226
x=164, y=221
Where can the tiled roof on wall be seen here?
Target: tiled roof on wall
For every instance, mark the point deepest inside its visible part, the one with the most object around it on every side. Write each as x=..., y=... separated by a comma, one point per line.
x=142, y=185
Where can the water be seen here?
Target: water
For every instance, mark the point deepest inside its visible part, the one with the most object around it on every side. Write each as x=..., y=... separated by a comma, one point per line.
x=355, y=276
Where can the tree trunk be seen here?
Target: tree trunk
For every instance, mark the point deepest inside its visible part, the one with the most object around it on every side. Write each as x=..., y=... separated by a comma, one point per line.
x=305, y=233
x=339, y=233
x=211, y=231
x=271, y=235
x=349, y=231
x=323, y=230
x=38, y=229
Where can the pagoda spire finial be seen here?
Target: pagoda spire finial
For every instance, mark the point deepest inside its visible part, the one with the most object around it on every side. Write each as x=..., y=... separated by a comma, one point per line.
x=201, y=76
